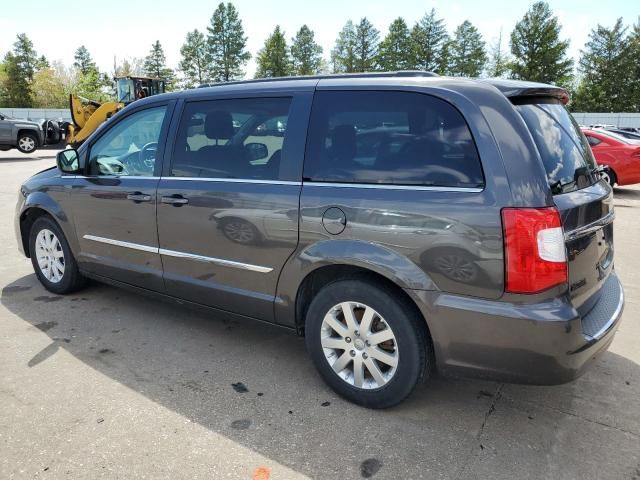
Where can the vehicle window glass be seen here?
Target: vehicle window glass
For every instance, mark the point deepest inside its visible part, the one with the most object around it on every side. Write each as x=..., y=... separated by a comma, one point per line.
x=593, y=141
x=564, y=150
x=236, y=138
x=129, y=147
x=399, y=138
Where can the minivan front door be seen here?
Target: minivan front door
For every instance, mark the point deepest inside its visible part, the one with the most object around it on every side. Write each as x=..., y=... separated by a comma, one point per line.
x=228, y=206
x=115, y=202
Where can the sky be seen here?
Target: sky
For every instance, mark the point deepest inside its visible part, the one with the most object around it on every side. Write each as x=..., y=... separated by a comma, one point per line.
x=126, y=29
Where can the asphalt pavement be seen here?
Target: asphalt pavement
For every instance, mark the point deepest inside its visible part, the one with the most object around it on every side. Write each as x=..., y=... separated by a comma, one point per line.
x=107, y=384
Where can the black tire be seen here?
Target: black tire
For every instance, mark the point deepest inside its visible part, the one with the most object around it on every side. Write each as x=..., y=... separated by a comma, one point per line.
x=71, y=280
x=21, y=142
x=411, y=340
x=610, y=177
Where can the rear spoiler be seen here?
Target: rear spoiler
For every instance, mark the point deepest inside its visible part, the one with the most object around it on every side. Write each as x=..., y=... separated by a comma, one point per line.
x=518, y=90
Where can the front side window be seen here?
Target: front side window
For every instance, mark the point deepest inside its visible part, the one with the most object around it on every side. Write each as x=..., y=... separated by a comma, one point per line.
x=236, y=138
x=129, y=148
x=396, y=138
x=593, y=141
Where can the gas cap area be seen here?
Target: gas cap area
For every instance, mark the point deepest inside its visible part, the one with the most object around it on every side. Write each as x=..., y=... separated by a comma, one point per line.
x=334, y=220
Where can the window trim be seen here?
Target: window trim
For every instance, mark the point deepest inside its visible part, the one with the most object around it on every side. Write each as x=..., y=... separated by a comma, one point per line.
x=391, y=186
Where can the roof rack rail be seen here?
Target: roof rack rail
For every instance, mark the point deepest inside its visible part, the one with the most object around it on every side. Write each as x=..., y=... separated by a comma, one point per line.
x=400, y=73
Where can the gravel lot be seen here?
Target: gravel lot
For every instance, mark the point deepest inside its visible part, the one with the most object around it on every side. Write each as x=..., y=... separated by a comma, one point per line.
x=105, y=384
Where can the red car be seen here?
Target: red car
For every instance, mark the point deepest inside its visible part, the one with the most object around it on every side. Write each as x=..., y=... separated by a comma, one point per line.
x=621, y=155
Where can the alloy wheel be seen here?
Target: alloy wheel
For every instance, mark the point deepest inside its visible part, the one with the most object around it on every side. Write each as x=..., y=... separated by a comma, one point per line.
x=359, y=345
x=50, y=255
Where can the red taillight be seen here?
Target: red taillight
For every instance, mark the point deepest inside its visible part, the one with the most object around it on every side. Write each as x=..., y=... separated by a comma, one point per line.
x=534, y=248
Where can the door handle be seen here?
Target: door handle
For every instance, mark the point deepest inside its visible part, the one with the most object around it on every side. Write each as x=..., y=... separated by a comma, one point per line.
x=138, y=197
x=175, y=200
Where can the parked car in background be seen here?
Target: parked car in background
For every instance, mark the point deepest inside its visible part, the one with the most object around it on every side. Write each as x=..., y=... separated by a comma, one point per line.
x=621, y=155
x=625, y=133
x=603, y=125
x=630, y=129
x=24, y=135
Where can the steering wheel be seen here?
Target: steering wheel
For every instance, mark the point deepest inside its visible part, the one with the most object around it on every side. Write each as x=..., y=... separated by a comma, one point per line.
x=148, y=154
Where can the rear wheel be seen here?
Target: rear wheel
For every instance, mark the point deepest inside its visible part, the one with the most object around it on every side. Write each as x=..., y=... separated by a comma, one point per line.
x=52, y=260
x=368, y=344
x=27, y=143
x=609, y=176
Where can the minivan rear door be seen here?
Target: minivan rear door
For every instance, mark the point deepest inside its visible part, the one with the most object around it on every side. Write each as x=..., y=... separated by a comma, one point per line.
x=228, y=199
x=584, y=200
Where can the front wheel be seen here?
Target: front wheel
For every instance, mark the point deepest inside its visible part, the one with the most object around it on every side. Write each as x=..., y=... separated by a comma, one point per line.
x=370, y=345
x=609, y=176
x=27, y=143
x=52, y=260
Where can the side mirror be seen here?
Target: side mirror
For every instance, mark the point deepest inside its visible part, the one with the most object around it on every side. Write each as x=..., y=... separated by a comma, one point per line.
x=256, y=151
x=68, y=161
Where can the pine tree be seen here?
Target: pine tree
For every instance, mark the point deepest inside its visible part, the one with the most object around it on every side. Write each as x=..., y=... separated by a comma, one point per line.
x=196, y=61
x=343, y=54
x=83, y=61
x=605, y=64
x=430, y=43
x=227, y=44
x=395, y=50
x=634, y=83
x=273, y=59
x=43, y=63
x=155, y=64
x=538, y=53
x=306, y=54
x=17, y=88
x=25, y=56
x=467, y=55
x=498, y=61
x=366, y=46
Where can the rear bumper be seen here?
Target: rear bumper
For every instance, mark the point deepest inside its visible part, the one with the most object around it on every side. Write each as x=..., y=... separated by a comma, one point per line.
x=546, y=343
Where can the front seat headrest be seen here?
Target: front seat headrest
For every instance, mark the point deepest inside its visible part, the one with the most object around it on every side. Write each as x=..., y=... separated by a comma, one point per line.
x=219, y=125
x=343, y=142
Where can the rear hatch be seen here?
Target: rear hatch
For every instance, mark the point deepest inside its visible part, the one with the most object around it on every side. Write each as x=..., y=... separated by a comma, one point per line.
x=585, y=203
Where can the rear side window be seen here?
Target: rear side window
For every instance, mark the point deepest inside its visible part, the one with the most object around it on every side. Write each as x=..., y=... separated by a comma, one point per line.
x=234, y=138
x=565, y=151
x=396, y=138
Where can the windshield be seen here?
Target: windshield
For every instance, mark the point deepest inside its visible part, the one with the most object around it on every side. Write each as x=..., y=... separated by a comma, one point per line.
x=565, y=152
x=125, y=90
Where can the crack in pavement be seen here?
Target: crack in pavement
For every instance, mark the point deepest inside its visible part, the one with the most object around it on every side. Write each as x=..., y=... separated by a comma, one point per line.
x=515, y=405
x=492, y=408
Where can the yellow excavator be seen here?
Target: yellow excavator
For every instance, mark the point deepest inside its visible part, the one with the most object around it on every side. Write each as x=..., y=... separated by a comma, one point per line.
x=87, y=115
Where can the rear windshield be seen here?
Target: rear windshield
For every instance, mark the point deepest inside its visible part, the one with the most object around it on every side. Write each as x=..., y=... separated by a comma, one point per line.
x=615, y=136
x=565, y=152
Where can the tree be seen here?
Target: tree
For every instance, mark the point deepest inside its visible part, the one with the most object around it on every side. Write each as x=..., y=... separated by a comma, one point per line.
x=467, y=56
x=83, y=61
x=196, y=60
x=498, y=61
x=306, y=54
x=130, y=67
x=42, y=63
x=16, y=89
x=25, y=56
x=343, y=55
x=227, y=44
x=430, y=41
x=49, y=89
x=395, y=51
x=605, y=64
x=365, y=46
x=538, y=53
x=155, y=64
x=273, y=59
x=634, y=52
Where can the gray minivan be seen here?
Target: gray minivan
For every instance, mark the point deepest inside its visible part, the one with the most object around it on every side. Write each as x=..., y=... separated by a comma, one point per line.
x=402, y=222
